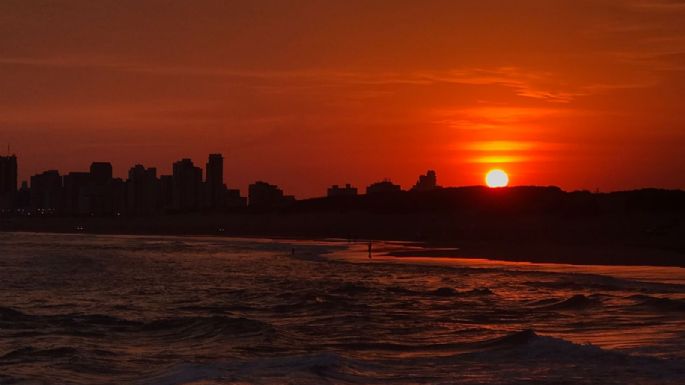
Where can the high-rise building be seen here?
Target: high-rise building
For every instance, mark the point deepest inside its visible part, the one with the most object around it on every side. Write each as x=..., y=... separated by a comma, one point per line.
x=23, y=198
x=118, y=196
x=8, y=181
x=101, y=172
x=265, y=195
x=76, y=193
x=100, y=191
x=93, y=192
x=186, y=186
x=233, y=200
x=166, y=195
x=46, y=192
x=214, y=186
x=142, y=191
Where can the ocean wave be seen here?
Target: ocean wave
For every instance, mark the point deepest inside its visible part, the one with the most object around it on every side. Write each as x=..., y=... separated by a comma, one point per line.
x=32, y=353
x=658, y=303
x=324, y=367
x=449, y=292
x=527, y=344
x=79, y=358
x=94, y=325
x=8, y=314
x=317, y=302
x=600, y=284
x=510, y=340
x=400, y=290
x=186, y=374
x=352, y=289
x=205, y=327
x=560, y=359
x=217, y=309
x=398, y=347
x=575, y=302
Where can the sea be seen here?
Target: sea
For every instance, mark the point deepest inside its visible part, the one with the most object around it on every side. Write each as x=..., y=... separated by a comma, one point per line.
x=104, y=309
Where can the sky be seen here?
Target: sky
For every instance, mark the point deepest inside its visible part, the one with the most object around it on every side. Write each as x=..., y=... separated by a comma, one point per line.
x=305, y=94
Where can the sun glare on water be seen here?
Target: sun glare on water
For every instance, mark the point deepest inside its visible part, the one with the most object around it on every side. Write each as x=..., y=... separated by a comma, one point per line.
x=496, y=178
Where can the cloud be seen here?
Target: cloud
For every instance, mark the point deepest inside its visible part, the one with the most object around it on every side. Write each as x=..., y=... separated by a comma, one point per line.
x=529, y=84
x=660, y=5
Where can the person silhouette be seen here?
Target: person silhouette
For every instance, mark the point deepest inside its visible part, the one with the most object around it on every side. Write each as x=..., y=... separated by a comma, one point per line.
x=370, y=243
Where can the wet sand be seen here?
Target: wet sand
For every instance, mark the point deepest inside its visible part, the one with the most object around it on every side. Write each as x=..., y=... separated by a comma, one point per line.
x=602, y=241
x=550, y=252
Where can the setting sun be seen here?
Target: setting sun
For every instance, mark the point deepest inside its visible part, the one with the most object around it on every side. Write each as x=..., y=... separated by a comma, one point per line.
x=496, y=178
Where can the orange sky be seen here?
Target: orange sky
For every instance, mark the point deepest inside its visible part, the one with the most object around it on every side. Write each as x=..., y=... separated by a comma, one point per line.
x=579, y=94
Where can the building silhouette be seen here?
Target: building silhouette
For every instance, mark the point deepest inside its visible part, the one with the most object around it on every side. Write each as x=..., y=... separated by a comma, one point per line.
x=8, y=181
x=93, y=193
x=337, y=191
x=98, y=193
x=102, y=194
x=215, y=190
x=265, y=195
x=385, y=186
x=22, y=200
x=101, y=173
x=143, y=191
x=186, y=186
x=217, y=195
x=166, y=193
x=426, y=182
x=233, y=200
x=75, y=193
x=46, y=192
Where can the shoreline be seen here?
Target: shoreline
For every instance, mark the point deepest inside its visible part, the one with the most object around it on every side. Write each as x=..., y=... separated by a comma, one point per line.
x=597, y=254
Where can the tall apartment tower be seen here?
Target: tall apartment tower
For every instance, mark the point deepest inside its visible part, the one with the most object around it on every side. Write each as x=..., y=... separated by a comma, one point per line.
x=100, y=194
x=8, y=180
x=101, y=172
x=46, y=191
x=142, y=191
x=186, y=186
x=214, y=186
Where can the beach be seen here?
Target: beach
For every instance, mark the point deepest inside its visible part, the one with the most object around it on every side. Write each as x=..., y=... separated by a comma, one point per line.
x=109, y=309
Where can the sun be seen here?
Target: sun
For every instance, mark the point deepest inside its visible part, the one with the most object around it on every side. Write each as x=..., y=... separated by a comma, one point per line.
x=496, y=178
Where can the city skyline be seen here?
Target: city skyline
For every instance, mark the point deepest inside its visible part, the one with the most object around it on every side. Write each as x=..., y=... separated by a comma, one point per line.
x=217, y=177
x=318, y=191
x=188, y=188
x=241, y=175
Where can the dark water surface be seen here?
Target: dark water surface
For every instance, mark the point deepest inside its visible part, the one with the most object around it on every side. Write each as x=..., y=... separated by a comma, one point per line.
x=83, y=309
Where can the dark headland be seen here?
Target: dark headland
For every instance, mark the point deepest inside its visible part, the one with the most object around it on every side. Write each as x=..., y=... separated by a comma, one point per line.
x=536, y=224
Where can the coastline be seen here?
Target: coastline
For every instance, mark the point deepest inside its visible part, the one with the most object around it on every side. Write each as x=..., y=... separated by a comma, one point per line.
x=557, y=250
x=556, y=253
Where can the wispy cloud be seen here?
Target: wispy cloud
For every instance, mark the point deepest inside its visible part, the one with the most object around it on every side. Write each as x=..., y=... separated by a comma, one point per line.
x=529, y=84
x=661, y=5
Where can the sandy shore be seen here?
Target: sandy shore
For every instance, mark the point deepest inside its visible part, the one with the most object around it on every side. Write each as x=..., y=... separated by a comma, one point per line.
x=575, y=254
x=569, y=242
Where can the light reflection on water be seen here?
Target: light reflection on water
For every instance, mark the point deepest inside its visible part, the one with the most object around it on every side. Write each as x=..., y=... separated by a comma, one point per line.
x=359, y=252
x=109, y=309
